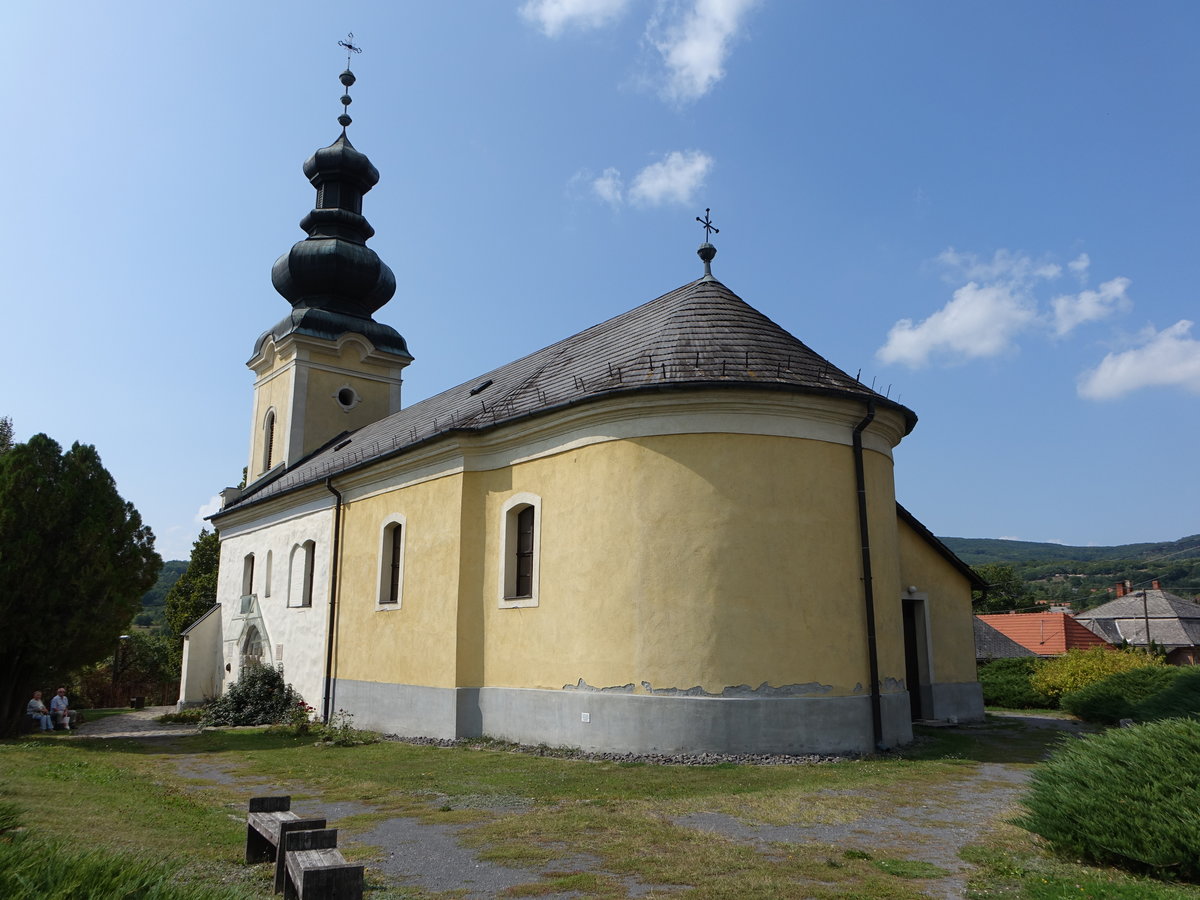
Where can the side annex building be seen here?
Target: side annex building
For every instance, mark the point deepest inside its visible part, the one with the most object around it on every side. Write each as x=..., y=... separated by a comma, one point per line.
x=675, y=531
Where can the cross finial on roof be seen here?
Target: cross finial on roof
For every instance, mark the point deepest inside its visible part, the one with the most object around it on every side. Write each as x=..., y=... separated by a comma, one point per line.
x=348, y=43
x=707, y=251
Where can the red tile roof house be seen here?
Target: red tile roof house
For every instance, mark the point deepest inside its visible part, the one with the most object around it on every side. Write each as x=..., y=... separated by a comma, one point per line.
x=1173, y=623
x=1046, y=634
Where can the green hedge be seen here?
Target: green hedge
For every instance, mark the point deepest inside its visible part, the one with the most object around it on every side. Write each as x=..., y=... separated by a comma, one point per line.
x=1180, y=699
x=1129, y=797
x=1006, y=683
x=1111, y=699
x=1079, y=668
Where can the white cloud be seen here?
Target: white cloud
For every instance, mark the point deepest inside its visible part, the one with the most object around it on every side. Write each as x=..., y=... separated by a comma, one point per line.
x=980, y=321
x=673, y=180
x=212, y=506
x=1079, y=265
x=694, y=43
x=554, y=17
x=609, y=187
x=998, y=303
x=1003, y=266
x=1071, y=310
x=1167, y=358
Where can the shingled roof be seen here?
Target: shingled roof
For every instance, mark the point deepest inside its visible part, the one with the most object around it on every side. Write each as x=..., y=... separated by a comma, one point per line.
x=993, y=644
x=699, y=336
x=1174, y=622
x=1046, y=634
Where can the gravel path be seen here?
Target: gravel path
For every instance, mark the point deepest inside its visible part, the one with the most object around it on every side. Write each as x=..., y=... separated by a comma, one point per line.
x=137, y=723
x=430, y=857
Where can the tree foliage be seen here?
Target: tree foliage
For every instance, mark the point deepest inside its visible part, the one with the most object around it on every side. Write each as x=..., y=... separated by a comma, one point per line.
x=196, y=590
x=1005, y=589
x=75, y=560
x=6, y=434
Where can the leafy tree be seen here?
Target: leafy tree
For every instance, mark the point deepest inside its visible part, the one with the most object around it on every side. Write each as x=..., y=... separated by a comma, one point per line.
x=6, y=434
x=196, y=590
x=75, y=560
x=1005, y=589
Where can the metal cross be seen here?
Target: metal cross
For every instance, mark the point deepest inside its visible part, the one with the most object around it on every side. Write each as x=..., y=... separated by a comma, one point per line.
x=350, y=48
x=709, y=227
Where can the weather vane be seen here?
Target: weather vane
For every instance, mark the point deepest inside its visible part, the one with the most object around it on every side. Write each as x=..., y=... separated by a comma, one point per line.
x=348, y=43
x=709, y=227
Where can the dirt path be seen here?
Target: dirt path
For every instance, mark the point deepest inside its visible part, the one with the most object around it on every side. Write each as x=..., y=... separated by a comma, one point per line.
x=430, y=857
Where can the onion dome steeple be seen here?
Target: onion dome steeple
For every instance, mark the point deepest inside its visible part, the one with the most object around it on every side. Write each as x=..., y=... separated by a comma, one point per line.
x=333, y=269
x=333, y=280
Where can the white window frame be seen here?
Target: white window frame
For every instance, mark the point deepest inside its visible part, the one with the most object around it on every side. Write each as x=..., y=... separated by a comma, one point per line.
x=508, y=551
x=267, y=575
x=299, y=595
x=395, y=520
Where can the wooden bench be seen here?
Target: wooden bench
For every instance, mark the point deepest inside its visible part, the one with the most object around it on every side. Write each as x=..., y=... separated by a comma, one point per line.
x=268, y=821
x=316, y=868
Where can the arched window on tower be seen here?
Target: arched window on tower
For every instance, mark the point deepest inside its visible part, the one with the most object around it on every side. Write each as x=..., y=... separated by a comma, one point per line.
x=268, y=440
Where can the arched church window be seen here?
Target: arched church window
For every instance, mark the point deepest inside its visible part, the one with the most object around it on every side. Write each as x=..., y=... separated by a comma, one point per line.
x=521, y=541
x=391, y=562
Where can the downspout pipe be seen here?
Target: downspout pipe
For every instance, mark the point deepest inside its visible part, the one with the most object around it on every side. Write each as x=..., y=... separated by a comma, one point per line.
x=864, y=532
x=327, y=700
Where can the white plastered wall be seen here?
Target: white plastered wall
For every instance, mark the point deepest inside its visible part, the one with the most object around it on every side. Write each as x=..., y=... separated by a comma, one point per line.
x=293, y=636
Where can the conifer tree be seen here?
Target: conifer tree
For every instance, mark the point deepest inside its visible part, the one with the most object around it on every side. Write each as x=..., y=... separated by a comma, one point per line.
x=196, y=590
x=75, y=560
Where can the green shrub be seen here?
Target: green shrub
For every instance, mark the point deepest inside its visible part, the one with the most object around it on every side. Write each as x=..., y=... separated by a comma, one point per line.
x=1114, y=698
x=1180, y=699
x=259, y=697
x=1129, y=797
x=1006, y=683
x=1079, y=668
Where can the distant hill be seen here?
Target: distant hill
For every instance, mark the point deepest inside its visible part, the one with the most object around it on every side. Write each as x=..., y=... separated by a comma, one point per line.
x=976, y=551
x=153, y=601
x=1084, y=576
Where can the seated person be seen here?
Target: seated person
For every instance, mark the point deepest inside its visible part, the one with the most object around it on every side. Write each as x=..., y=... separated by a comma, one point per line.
x=36, y=710
x=59, y=711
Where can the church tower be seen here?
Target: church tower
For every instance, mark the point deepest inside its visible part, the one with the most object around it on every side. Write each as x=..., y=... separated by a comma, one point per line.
x=327, y=367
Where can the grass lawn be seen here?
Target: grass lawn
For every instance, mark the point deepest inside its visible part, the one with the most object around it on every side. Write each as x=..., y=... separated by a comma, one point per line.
x=131, y=799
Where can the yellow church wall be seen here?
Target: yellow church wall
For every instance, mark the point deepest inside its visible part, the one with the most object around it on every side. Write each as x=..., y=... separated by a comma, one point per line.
x=948, y=606
x=326, y=418
x=412, y=643
x=274, y=393
x=885, y=570
x=694, y=560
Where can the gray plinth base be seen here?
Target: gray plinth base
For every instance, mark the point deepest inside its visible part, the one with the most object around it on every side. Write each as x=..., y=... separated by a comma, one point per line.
x=628, y=723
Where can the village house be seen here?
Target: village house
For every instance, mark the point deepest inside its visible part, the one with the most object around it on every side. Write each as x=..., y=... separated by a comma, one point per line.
x=1145, y=617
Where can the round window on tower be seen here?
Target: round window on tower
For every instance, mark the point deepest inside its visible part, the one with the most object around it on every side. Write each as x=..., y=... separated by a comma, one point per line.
x=347, y=398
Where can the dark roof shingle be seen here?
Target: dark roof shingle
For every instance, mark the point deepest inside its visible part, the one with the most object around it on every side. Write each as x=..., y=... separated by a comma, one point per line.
x=701, y=335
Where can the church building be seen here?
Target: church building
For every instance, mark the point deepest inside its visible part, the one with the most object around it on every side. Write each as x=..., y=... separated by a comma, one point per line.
x=675, y=531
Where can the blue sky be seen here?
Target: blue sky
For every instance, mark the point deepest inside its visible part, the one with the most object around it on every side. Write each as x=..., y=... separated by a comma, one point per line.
x=989, y=209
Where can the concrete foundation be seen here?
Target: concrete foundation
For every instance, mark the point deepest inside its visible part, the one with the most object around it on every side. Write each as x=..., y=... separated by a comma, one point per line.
x=628, y=723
